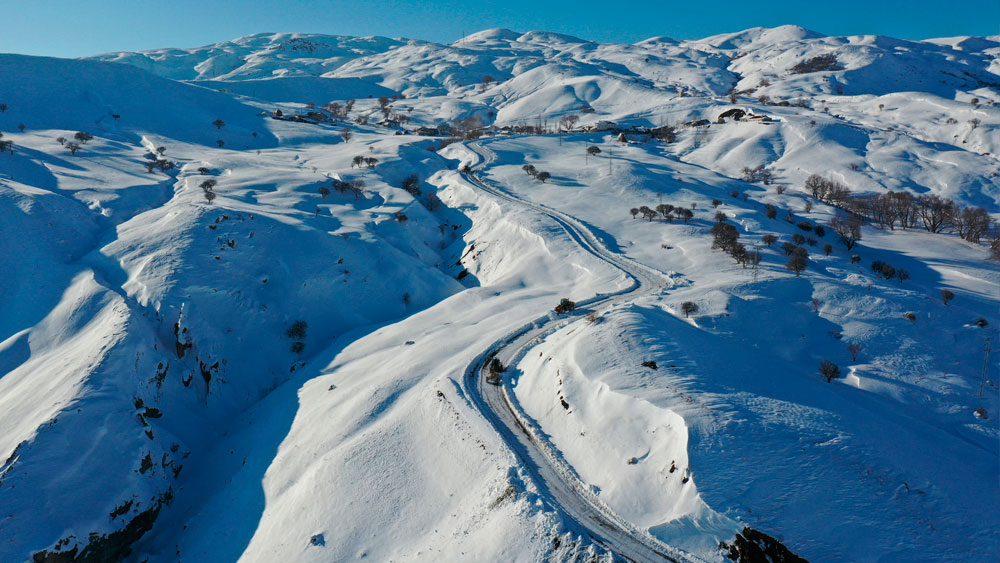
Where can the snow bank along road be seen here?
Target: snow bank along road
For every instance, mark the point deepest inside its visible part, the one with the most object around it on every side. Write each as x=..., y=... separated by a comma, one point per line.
x=554, y=478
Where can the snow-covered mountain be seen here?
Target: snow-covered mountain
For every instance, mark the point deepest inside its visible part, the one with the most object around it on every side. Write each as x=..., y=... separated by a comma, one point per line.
x=242, y=324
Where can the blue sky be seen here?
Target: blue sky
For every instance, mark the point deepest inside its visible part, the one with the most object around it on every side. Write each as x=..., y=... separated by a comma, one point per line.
x=72, y=28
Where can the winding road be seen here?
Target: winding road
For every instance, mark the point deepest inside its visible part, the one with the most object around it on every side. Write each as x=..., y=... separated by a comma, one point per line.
x=556, y=479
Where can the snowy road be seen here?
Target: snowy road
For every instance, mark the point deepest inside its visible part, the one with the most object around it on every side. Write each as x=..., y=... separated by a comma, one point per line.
x=556, y=479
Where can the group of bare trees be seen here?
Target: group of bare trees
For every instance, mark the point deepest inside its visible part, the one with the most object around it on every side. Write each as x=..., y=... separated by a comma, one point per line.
x=889, y=210
x=756, y=175
x=340, y=111
x=369, y=161
x=727, y=238
x=827, y=62
x=527, y=129
x=208, y=188
x=154, y=160
x=665, y=210
x=81, y=138
x=884, y=269
x=355, y=186
x=539, y=175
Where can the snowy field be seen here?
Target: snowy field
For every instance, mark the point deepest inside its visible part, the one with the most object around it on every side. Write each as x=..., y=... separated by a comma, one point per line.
x=230, y=333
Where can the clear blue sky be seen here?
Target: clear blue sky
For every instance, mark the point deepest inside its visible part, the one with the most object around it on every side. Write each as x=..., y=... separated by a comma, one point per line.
x=73, y=28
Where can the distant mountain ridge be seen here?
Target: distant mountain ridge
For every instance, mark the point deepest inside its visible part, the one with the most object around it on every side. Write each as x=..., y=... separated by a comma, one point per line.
x=711, y=66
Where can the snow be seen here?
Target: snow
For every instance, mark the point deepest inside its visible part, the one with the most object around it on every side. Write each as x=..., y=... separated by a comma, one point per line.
x=147, y=368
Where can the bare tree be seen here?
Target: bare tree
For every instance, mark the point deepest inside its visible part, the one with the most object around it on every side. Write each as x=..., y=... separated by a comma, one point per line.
x=854, y=349
x=689, y=308
x=73, y=147
x=829, y=370
x=971, y=223
x=592, y=151
x=946, y=296
x=412, y=184
x=219, y=124
x=848, y=227
x=935, y=212
x=797, y=264
x=567, y=122
x=345, y=134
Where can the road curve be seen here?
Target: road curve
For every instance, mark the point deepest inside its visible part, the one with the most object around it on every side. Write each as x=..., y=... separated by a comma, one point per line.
x=556, y=479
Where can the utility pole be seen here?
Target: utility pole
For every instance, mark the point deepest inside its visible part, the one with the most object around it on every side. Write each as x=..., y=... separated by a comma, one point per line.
x=986, y=359
x=611, y=157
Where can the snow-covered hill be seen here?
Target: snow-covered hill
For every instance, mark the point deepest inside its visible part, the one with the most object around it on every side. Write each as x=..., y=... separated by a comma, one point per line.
x=226, y=335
